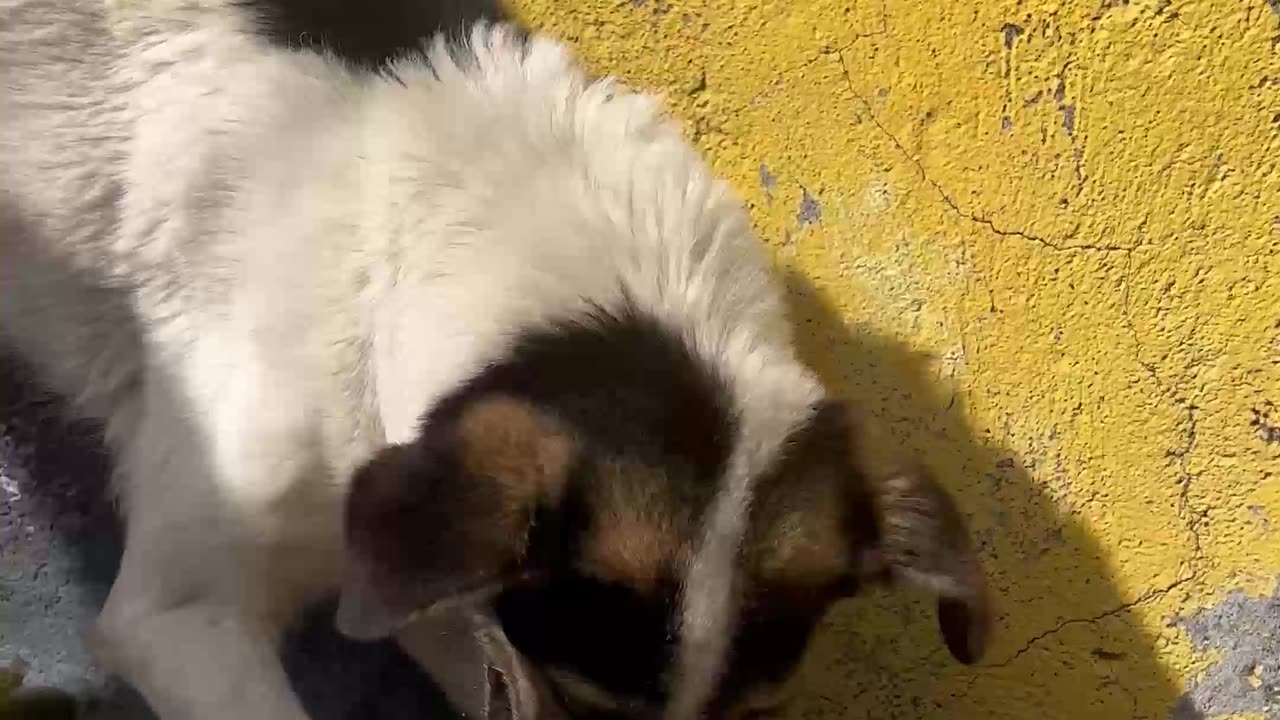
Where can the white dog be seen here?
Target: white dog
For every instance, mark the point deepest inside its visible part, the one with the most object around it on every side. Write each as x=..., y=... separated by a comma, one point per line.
x=467, y=335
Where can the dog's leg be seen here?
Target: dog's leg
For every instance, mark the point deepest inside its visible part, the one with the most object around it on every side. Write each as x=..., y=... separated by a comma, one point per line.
x=195, y=642
x=200, y=662
x=225, y=545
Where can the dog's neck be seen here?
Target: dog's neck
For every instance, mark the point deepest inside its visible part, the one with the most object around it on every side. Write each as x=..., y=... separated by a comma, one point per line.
x=556, y=196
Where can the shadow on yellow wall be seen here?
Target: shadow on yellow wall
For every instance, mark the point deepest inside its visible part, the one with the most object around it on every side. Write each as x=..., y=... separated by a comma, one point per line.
x=881, y=657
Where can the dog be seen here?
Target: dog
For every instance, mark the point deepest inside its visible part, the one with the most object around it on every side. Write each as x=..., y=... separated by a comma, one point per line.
x=458, y=333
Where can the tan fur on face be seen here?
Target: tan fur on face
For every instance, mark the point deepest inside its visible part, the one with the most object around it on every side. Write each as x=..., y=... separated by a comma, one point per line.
x=805, y=547
x=521, y=448
x=636, y=536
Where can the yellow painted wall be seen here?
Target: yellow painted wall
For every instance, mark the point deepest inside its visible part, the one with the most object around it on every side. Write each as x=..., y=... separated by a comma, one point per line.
x=1042, y=240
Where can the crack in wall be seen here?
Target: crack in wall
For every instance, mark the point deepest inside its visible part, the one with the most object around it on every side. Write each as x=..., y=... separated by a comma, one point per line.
x=1186, y=478
x=1063, y=245
x=1146, y=597
x=1192, y=516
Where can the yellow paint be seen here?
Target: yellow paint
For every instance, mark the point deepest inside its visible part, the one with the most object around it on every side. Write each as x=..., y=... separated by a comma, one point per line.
x=1049, y=257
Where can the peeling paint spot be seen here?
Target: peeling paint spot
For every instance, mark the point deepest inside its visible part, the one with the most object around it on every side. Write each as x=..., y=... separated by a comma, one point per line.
x=1264, y=426
x=1067, y=109
x=1259, y=515
x=1163, y=11
x=1275, y=6
x=877, y=197
x=1011, y=34
x=698, y=86
x=768, y=181
x=810, y=211
x=1069, y=118
x=1242, y=631
x=1006, y=123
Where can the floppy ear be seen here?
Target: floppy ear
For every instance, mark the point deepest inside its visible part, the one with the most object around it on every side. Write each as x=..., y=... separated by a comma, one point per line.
x=448, y=515
x=837, y=512
x=922, y=539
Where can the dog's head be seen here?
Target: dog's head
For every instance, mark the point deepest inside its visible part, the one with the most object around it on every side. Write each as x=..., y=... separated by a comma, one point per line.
x=559, y=513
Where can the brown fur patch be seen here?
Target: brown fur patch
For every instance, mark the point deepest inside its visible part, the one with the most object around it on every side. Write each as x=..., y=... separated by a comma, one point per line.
x=526, y=452
x=638, y=534
x=811, y=522
x=806, y=547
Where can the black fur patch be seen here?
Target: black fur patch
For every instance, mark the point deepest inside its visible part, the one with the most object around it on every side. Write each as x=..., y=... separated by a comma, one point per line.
x=628, y=388
x=367, y=32
x=621, y=640
x=593, y=565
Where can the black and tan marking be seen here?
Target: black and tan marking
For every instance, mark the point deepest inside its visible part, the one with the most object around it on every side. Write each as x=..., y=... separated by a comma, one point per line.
x=572, y=482
x=582, y=466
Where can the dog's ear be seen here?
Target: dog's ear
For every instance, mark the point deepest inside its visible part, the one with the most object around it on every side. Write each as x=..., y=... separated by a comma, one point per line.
x=924, y=540
x=921, y=537
x=841, y=511
x=448, y=515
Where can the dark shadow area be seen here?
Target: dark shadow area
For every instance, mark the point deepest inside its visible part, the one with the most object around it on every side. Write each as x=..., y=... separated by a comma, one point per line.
x=1064, y=639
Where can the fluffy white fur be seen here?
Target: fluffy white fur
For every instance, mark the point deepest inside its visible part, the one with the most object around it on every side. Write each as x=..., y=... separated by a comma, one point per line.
x=258, y=267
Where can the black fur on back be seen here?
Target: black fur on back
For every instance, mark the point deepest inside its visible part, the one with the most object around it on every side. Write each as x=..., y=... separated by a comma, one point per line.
x=367, y=33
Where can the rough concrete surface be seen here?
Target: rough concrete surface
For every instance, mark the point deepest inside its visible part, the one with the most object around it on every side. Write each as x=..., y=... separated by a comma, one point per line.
x=1040, y=239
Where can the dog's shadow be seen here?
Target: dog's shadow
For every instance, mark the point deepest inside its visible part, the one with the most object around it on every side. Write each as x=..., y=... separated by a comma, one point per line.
x=1065, y=643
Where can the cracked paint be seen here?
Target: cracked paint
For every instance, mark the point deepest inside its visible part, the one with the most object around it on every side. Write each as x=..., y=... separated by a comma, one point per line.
x=1049, y=260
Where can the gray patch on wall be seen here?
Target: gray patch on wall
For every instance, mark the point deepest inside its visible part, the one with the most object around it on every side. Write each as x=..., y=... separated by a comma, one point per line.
x=768, y=180
x=1245, y=631
x=810, y=211
x=1069, y=118
x=1011, y=34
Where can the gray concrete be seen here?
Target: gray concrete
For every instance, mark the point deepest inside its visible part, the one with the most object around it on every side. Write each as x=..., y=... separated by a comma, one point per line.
x=1245, y=632
x=59, y=548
